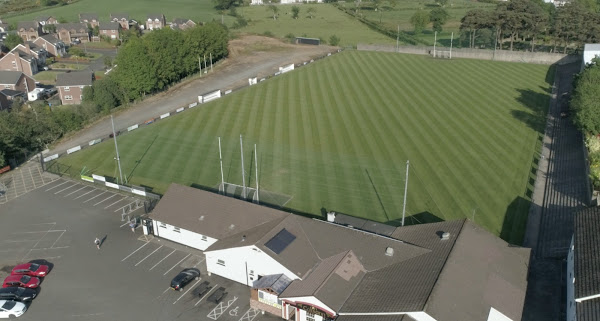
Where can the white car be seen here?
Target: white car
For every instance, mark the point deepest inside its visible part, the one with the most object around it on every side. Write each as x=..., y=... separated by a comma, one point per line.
x=11, y=309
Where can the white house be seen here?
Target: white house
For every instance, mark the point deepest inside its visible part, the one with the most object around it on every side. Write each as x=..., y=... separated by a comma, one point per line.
x=590, y=51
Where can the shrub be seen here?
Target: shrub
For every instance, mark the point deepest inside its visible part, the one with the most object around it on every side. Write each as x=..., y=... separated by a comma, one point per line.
x=268, y=34
x=290, y=37
x=334, y=40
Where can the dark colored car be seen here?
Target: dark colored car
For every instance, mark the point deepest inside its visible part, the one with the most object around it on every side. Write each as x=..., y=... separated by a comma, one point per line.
x=17, y=294
x=184, y=277
x=25, y=281
x=31, y=269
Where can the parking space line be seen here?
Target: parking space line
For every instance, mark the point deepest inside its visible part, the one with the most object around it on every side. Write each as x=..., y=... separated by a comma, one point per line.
x=250, y=314
x=115, y=202
x=41, y=176
x=93, y=189
x=33, y=180
x=17, y=241
x=188, y=290
x=38, y=242
x=23, y=178
x=37, y=232
x=167, y=289
x=76, y=191
x=113, y=195
x=162, y=260
x=139, y=248
x=177, y=263
x=51, y=248
x=95, y=196
x=207, y=293
x=201, y=260
x=55, y=186
x=147, y=256
x=58, y=238
x=66, y=188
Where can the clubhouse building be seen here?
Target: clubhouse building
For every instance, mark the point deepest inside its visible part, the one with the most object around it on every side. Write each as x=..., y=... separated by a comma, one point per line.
x=347, y=268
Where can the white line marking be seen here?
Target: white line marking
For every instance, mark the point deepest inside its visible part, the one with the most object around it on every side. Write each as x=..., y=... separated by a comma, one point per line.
x=113, y=195
x=33, y=180
x=177, y=264
x=147, y=256
x=18, y=241
x=207, y=293
x=52, y=248
x=66, y=188
x=34, y=245
x=76, y=191
x=94, y=197
x=188, y=290
x=115, y=202
x=169, y=288
x=43, y=223
x=37, y=232
x=139, y=248
x=65, y=182
x=61, y=234
x=201, y=260
x=93, y=189
x=23, y=178
x=162, y=260
x=118, y=209
x=86, y=315
x=41, y=176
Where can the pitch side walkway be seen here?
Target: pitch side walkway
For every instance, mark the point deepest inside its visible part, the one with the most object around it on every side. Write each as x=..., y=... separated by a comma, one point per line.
x=561, y=190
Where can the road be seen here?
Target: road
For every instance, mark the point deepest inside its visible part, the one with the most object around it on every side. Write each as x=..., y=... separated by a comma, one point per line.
x=250, y=56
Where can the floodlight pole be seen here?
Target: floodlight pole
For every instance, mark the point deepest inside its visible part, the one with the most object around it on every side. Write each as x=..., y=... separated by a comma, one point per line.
x=243, y=171
x=451, y=38
x=405, y=190
x=398, y=39
x=434, y=41
x=221, y=161
x=116, y=148
x=256, y=166
x=205, y=62
x=211, y=62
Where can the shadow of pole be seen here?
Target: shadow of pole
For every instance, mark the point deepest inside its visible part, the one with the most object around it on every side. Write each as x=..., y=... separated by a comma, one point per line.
x=377, y=194
x=137, y=162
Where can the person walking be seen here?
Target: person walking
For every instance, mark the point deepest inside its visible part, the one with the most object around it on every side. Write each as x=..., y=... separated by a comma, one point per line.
x=132, y=226
x=97, y=242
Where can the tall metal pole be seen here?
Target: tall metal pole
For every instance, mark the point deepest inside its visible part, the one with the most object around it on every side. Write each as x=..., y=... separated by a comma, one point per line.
x=451, y=38
x=405, y=190
x=211, y=62
x=221, y=161
x=256, y=166
x=434, y=41
x=243, y=171
x=398, y=39
x=116, y=148
x=205, y=62
x=200, y=66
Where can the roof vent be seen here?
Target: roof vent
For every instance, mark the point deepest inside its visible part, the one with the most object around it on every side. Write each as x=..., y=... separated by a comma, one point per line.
x=231, y=227
x=331, y=217
x=201, y=218
x=243, y=238
x=445, y=236
x=389, y=251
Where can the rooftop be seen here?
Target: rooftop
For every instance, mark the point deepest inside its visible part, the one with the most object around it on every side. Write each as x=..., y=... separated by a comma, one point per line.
x=79, y=78
x=587, y=252
x=9, y=77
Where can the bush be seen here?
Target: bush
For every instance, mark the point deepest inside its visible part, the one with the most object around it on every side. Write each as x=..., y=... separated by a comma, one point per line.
x=290, y=37
x=240, y=22
x=334, y=40
x=268, y=34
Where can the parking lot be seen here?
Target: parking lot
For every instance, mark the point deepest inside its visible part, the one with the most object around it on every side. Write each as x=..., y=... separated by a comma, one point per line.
x=128, y=278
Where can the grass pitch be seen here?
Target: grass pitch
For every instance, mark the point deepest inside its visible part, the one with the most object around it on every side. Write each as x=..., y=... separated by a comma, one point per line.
x=335, y=135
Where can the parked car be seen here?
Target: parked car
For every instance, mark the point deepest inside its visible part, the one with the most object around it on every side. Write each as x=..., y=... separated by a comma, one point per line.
x=184, y=277
x=31, y=269
x=11, y=309
x=25, y=281
x=117, y=133
x=17, y=294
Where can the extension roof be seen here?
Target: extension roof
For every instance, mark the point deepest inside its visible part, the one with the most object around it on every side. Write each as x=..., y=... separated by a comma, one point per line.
x=9, y=77
x=587, y=252
x=79, y=78
x=12, y=93
x=274, y=282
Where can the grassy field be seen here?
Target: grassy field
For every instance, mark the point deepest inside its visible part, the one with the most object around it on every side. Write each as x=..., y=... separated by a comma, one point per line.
x=335, y=135
x=327, y=21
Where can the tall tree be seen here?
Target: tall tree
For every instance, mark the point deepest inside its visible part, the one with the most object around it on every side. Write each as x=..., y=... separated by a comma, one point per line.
x=536, y=20
x=311, y=12
x=134, y=72
x=273, y=9
x=419, y=20
x=295, y=12
x=585, y=102
x=12, y=40
x=438, y=18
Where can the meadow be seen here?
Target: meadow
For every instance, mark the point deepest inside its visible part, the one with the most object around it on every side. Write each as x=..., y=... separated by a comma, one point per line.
x=336, y=134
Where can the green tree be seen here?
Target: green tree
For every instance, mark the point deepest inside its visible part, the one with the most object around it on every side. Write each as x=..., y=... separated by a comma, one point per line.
x=135, y=73
x=226, y=4
x=163, y=46
x=62, y=20
x=12, y=40
x=334, y=40
x=295, y=12
x=585, y=103
x=419, y=20
x=108, y=62
x=438, y=18
x=441, y=3
x=107, y=94
x=474, y=21
x=312, y=11
x=274, y=9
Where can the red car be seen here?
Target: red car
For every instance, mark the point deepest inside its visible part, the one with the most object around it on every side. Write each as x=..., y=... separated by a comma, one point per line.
x=24, y=281
x=31, y=269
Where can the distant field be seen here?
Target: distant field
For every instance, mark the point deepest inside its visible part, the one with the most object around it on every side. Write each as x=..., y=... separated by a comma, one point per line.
x=335, y=136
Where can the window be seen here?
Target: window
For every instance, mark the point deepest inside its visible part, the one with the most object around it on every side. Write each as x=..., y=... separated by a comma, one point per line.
x=310, y=317
x=176, y=229
x=204, y=238
x=221, y=262
x=163, y=225
x=67, y=89
x=68, y=97
x=6, y=86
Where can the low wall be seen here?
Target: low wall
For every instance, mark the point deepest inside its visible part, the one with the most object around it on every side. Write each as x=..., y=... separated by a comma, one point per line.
x=544, y=58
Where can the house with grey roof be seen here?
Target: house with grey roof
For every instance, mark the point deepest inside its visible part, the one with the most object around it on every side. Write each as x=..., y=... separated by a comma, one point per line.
x=70, y=33
x=29, y=30
x=451, y=270
x=53, y=46
x=182, y=24
x=155, y=21
x=583, y=267
x=16, y=80
x=22, y=58
x=121, y=18
x=110, y=30
x=89, y=19
x=70, y=86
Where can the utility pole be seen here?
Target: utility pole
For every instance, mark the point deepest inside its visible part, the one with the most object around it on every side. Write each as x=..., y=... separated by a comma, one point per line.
x=116, y=148
x=211, y=62
x=243, y=171
x=398, y=39
x=221, y=161
x=405, y=190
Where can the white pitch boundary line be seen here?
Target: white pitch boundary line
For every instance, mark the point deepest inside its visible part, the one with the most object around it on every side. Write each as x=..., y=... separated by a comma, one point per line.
x=139, y=248
x=188, y=290
x=53, y=187
x=95, y=197
x=76, y=191
x=93, y=189
x=147, y=256
x=207, y=293
x=66, y=188
x=177, y=263
x=115, y=202
x=113, y=195
x=162, y=260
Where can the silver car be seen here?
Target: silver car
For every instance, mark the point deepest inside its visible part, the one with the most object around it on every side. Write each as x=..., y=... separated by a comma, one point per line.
x=11, y=309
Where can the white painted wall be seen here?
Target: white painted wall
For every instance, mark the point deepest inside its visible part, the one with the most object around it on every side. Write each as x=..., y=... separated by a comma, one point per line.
x=244, y=264
x=571, y=304
x=183, y=236
x=588, y=55
x=496, y=315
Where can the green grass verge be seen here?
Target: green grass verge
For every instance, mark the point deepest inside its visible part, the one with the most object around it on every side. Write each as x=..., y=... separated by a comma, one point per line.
x=70, y=66
x=336, y=135
x=47, y=77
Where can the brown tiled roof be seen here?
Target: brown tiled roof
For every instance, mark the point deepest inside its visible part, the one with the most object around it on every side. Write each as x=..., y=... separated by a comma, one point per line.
x=79, y=78
x=27, y=25
x=210, y=214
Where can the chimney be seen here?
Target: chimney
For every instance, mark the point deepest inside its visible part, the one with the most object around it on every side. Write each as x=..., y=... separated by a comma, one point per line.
x=389, y=251
x=445, y=236
x=331, y=217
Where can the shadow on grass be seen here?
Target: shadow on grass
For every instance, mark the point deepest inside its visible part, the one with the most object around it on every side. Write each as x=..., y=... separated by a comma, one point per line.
x=537, y=104
x=137, y=162
x=419, y=218
x=515, y=221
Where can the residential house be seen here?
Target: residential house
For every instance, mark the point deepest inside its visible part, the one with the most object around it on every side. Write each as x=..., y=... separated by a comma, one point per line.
x=121, y=18
x=17, y=81
x=89, y=19
x=308, y=269
x=70, y=86
x=583, y=267
x=70, y=33
x=46, y=20
x=22, y=59
x=29, y=30
x=110, y=30
x=53, y=46
x=182, y=24
x=40, y=54
x=155, y=21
